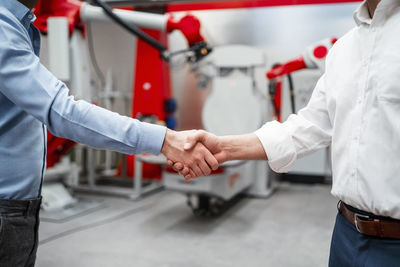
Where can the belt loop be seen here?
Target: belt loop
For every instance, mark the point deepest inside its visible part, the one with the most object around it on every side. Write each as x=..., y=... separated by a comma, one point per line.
x=338, y=206
x=28, y=206
x=378, y=228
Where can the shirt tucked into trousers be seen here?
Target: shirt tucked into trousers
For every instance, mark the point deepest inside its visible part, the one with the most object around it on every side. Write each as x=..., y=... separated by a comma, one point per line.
x=355, y=108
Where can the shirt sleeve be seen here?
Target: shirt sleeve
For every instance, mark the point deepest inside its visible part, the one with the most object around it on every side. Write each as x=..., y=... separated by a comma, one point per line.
x=300, y=135
x=30, y=86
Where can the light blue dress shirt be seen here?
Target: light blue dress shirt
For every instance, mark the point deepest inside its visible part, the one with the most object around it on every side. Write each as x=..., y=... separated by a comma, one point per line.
x=31, y=98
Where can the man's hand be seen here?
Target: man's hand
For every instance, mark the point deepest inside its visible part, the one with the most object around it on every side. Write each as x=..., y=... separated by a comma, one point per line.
x=198, y=160
x=225, y=148
x=210, y=141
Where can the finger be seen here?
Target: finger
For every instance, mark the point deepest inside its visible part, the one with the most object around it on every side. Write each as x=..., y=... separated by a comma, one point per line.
x=191, y=174
x=197, y=171
x=211, y=161
x=178, y=166
x=170, y=163
x=206, y=170
x=184, y=172
x=198, y=136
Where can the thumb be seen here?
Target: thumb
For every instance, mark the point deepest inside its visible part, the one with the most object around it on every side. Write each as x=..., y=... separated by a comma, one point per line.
x=220, y=157
x=192, y=140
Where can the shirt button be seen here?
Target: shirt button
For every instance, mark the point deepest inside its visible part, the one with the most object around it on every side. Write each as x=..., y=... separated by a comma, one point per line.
x=30, y=16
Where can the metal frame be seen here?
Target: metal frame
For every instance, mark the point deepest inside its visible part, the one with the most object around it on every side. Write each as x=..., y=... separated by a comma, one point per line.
x=136, y=192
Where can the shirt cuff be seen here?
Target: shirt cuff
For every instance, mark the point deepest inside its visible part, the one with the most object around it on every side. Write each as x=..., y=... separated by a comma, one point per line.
x=278, y=146
x=151, y=138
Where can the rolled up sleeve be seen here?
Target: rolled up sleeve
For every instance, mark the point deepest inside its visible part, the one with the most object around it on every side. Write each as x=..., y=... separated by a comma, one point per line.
x=300, y=135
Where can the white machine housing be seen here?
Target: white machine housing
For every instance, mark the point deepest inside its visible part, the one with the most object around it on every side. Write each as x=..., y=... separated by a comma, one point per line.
x=234, y=106
x=317, y=163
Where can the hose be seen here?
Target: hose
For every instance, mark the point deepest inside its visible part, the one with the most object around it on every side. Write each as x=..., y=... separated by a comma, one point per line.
x=291, y=90
x=133, y=29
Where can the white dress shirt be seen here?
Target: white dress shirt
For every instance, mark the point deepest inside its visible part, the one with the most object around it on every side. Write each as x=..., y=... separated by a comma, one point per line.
x=355, y=107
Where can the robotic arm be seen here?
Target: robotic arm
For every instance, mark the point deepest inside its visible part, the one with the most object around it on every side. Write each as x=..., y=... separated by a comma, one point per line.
x=313, y=58
x=79, y=13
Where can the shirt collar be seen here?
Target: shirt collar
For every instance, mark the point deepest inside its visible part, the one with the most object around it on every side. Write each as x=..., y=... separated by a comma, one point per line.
x=20, y=11
x=361, y=15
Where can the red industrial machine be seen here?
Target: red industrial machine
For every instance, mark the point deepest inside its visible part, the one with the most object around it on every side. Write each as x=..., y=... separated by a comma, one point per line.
x=313, y=58
x=152, y=99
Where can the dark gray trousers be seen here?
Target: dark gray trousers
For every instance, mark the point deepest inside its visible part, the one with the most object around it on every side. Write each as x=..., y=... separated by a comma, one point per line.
x=19, y=223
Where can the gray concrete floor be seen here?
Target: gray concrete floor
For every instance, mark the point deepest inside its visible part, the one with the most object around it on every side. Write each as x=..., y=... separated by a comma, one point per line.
x=291, y=228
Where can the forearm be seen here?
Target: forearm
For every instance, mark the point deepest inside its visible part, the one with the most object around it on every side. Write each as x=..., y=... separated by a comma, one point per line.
x=102, y=129
x=30, y=86
x=242, y=147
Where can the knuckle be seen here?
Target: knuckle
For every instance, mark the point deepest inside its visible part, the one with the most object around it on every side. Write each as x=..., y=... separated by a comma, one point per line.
x=190, y=163
x=203, y=150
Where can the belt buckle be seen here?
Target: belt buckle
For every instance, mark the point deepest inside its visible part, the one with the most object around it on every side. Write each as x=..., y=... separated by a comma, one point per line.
x=358, y=215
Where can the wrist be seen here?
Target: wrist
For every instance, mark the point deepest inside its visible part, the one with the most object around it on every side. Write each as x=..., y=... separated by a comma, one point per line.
x=227, y=147
x=242, y=147
x=167, y=141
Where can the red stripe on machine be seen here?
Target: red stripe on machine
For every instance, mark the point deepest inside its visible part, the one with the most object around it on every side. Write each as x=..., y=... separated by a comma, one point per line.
x=249, y=4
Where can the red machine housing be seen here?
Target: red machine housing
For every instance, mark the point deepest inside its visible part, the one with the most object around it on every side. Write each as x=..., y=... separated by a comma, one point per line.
x=152, y=87
x=222, y=4
x=289, y=67
x=190, y=27
x=56, y=149
x=313, y=58
x=59, y=8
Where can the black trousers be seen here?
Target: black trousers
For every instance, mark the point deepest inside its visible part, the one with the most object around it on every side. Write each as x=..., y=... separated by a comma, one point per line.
x=19, y=223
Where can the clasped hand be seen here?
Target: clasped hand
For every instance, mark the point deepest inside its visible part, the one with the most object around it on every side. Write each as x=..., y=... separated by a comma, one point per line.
x=193, y=153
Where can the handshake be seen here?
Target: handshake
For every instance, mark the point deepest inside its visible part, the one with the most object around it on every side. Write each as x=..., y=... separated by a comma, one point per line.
x=197, y=153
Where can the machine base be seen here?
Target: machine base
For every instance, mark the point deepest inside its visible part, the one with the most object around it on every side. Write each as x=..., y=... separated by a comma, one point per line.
x=212, y=195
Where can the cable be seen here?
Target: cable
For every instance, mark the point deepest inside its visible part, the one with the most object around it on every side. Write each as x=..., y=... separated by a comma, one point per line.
x=291, y=90
x=95, y=224
x=133, y=29
x=272, y=88
x=92, y=55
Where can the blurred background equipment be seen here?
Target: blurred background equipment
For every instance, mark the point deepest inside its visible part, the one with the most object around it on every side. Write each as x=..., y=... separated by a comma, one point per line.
x=224, y=66
x=316, y=166
x=67, y=24
x=235, y=105
x=230, y=99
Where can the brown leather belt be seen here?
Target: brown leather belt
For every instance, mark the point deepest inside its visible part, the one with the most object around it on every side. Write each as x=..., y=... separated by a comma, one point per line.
x=371, y=226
